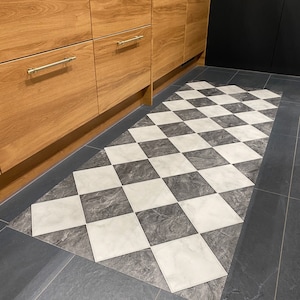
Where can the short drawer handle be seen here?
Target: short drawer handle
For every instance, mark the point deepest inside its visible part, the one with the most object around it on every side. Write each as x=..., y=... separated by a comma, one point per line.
x=136, y=38
x=65, y=60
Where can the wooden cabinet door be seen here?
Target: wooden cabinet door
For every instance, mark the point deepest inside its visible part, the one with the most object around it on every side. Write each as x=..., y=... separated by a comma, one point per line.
x=196, y=28
x=168, y=35
x=113, y=16
x=122, y=69
x=38, y=109
x=32, y=26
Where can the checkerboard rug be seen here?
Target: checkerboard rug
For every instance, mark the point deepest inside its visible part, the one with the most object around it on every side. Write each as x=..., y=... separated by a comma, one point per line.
x=165, y=201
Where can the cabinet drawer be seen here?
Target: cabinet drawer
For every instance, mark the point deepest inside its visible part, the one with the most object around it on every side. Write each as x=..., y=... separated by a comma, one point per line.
x=31, y=26
x=38, y=109
x=122, y=70
x=112, y=16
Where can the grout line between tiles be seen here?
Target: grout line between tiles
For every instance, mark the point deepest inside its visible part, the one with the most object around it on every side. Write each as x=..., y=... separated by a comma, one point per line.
x=44, y=289
x=287, y=210
x=232, y=77
x=4, y=221
x=267, y=81
x=270, y=192
x=157, y=294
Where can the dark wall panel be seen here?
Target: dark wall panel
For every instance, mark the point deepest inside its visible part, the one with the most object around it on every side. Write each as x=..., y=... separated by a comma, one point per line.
x=287, y=50
x=242, y=34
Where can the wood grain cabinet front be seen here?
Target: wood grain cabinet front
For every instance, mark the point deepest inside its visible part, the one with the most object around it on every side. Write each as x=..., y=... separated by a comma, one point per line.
x=113, y=16
x=123, y=64
x=196, y=28
x=169, y=17
x=32, y=26
x=39, y=108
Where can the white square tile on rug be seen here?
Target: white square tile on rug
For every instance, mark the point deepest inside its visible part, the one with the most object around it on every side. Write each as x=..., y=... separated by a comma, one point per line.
x=55, y=215
x=148, y=133
x=125, y=153
x=172, y=164
x=96, y=179
x=116, y=236
x=189, y=142
x=259, y=104
x=200, y=85
x=223, y=99
x=187, y=262
x=225, y=178
x=264, y=94
x=231, y=89
x=246, y=133
x=178, y=105
x=253, y=117
x=165, y=117
x=190, y=94
x=209, y=213
x=203, y=125
x=237, y=152
x=214, y=111
x=148, y=194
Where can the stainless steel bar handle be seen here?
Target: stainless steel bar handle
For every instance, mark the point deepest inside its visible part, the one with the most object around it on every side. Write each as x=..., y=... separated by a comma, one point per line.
x=65, y=60
x=138, y=37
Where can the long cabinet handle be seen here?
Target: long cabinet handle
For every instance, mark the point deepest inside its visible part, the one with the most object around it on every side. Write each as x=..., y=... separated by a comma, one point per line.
x=138, y=37
x=63, y=61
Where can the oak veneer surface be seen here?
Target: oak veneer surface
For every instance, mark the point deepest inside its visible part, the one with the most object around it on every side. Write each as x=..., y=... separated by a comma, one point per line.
x=196, y=27
x=31, y=26
x=122, y=71
x=112, y=16
x=38, y=109
x=169, y=17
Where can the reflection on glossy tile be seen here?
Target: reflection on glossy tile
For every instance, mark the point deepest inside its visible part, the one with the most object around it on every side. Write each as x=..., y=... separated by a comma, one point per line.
x=56, y=215
x=203, y=125
x=237, y=152
x=148, y=194
x=225, y=178
x=246, y=133
x=161, y=118
x=148, y=133
x=170, y=165
x=125, y=153
x=96, y=179
x=181, y=273
x=189, y=142
x=116, y=236
x=210, y=212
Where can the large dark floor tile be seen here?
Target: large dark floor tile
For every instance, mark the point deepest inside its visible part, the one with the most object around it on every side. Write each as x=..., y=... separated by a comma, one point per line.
x=27, y=265
x=83, y=279
x=295, y=188
x=289, y=276
x=254, y=269
x=290, y=88
x=30, y=194
x=250, y=80
x=287, y=119
x=276, y=168
x=2, y=225
x=190, y=76
x=216, y=76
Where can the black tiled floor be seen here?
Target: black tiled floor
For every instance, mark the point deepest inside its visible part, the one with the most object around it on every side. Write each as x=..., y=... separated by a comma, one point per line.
x=254, y=268
x=2, y=225
x=250, y=79
x=289, y=280
x=275, y=173
x=82, y=279
x=27, y=265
